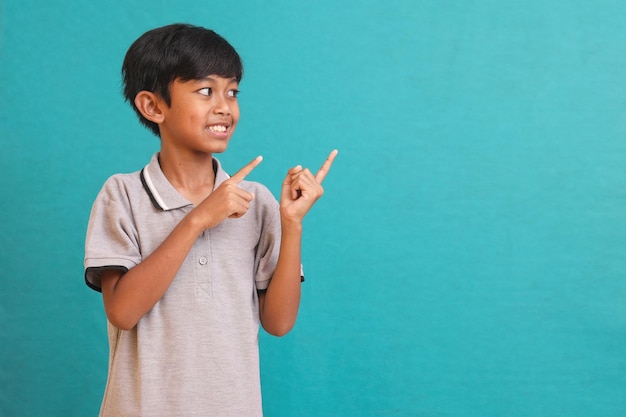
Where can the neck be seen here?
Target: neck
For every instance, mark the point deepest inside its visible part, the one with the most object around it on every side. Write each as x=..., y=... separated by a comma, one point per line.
x=191, y=174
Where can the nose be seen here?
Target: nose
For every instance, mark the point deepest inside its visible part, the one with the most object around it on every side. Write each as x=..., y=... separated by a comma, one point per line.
x=221, y=105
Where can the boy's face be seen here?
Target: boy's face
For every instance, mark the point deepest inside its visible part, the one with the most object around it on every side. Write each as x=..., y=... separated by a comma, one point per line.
x=203, y=114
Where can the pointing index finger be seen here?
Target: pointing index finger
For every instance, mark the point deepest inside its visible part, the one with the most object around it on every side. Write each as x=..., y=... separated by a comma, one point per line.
x=247, y=169
x=321, y=174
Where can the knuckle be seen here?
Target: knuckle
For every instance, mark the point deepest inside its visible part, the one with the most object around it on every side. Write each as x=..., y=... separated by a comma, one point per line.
x=232, y=204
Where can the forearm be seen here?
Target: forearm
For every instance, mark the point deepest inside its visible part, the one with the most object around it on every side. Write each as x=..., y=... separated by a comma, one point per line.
x=278, y=307
x=128, y=298
x=280, y=303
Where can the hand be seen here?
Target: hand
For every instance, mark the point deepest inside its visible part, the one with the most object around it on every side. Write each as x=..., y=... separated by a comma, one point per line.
x=301, y=189
x=227, y=200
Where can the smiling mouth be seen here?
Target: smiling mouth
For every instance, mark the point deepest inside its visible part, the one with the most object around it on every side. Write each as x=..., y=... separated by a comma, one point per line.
x=218, y=128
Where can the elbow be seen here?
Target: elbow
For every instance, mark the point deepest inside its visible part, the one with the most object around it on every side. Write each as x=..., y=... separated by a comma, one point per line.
x=123, y=325
x=278, y=329
x=278, y=320
x=278, y=332
x=120, y=321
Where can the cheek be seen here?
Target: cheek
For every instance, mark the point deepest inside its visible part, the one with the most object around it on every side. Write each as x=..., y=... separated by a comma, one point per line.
x=234, y=112
x=193, y=119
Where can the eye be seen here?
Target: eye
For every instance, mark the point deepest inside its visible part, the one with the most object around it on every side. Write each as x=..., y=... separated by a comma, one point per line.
x=233, y=93
x=206, y=91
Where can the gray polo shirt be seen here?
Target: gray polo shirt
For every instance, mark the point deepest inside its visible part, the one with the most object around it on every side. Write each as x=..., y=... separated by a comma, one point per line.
x=196, y=352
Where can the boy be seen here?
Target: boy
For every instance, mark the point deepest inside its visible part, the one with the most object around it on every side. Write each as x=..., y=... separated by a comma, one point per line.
x=189, y=260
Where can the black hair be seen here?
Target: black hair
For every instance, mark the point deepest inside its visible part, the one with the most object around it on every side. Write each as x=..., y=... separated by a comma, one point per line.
x=178, y=51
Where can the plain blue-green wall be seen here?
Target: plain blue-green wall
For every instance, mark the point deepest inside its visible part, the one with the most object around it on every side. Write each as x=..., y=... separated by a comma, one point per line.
x=469, y=256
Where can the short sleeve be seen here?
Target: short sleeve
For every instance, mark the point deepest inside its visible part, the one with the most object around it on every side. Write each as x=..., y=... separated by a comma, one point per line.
x=111, y=241
x=269, y=245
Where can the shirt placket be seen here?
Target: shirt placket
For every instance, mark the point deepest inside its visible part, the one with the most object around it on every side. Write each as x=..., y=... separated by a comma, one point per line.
x=202, y=261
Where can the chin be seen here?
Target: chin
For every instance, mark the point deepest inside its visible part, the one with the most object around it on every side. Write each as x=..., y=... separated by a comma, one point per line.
x=220, y=149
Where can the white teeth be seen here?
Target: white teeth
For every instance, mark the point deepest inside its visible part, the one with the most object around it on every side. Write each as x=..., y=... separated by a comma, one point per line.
x=218, y=128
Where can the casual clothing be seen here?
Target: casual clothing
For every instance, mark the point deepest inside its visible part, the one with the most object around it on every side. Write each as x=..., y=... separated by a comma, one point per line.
x=195, y=353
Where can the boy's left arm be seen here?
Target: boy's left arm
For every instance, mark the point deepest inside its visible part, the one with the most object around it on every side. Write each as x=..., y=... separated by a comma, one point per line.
x=278, y=306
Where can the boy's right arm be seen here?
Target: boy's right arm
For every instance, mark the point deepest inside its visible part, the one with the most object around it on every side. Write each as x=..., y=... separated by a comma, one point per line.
x=129, y=295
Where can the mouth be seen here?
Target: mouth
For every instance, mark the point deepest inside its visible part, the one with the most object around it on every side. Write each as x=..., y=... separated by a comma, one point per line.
x=219, y=129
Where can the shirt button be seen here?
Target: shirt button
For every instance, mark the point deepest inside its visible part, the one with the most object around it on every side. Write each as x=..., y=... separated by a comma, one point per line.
x=202, y=260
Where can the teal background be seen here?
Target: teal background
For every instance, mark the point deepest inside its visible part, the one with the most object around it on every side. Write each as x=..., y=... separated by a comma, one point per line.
x=468, y=257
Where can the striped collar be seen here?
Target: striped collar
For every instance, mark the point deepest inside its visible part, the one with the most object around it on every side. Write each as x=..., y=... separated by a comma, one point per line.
x=162, y=193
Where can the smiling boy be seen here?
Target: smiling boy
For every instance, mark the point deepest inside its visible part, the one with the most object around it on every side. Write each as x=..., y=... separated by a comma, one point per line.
x=190, y=260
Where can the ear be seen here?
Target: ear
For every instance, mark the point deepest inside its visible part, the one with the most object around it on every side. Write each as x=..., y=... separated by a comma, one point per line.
x=150, y=106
